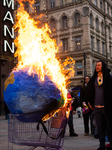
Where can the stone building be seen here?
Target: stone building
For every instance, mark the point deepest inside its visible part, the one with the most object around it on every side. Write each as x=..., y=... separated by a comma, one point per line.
x=85, y=29
x=6, y=43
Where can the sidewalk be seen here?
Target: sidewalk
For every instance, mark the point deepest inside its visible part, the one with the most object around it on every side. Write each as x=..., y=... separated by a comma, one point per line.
x=71, y=143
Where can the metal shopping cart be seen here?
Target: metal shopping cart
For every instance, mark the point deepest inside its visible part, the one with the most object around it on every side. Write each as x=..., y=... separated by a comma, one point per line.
x=48, y=134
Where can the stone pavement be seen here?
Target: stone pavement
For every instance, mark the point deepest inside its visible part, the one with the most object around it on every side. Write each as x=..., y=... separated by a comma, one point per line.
x=70, y=143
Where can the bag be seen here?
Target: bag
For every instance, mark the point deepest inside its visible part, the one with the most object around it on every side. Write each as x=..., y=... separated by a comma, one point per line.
x=85, y=110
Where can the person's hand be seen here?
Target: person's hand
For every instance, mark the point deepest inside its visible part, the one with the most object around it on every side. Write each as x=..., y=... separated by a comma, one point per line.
x=74, y=112
x=91, y=107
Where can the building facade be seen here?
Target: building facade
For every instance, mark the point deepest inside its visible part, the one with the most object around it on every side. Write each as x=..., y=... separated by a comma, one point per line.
x=6, y=43
x=85, y=29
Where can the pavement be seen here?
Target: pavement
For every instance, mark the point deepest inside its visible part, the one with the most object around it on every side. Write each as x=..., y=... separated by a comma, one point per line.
x=70, y=143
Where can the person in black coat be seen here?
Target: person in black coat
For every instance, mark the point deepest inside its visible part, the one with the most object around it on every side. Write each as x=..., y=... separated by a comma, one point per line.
x=84, y=102
x=74, y=105
x=99, y=91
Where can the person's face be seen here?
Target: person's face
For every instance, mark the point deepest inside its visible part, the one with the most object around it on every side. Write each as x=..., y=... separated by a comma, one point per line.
x=99, y=67
x=86, y=80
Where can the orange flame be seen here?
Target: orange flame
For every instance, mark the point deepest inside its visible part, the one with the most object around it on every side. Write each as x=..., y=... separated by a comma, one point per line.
x=35, y=49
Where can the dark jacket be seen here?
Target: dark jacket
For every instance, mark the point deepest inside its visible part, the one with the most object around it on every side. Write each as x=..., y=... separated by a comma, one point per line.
x=76, y=102
x=107, y=88
x=83, y=95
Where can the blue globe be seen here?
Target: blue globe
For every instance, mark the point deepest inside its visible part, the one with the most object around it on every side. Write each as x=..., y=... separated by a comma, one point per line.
x=24, y=93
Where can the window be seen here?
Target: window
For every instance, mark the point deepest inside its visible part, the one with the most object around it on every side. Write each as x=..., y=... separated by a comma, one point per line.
x=52, y=3
x=26, y=6
x=107, y=8
x=91, y=20
x=102, y=27
x=109, y=32
x=96, y=2
x=110, y=50
x=91, y=42
x=96, y=23
x=52, y=25
x=111, y=11
x=63, y=2
x=103, y=45
x=64, y=22
x=98, y=47
x=65, y=44
x=78, y=43
x=101, y=5
x=78, y=68
x=37, y=6
x=77, y=19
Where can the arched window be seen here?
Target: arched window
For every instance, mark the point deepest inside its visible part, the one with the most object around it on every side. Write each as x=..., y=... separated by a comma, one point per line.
x=91, y=20
x=97, y=23
x=77, y=19
x=102, y=29
x=52, y=25
x=64, y=22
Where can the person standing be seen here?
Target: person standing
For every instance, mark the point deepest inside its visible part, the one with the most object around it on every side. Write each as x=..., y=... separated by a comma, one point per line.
x=99, y=91
x=86, y=110
x=73, y=106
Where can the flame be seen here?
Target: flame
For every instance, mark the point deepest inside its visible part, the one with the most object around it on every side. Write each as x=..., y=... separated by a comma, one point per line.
x=36, y=49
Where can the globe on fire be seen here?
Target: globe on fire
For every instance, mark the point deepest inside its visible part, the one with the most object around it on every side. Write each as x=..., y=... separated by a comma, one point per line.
x=24, y=93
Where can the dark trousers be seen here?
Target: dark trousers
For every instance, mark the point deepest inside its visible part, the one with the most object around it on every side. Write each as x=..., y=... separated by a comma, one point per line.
x=86, y=118
x=103, y=124
x=70, y=122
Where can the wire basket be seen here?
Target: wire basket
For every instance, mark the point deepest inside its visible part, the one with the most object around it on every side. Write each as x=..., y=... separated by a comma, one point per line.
x=48, y=134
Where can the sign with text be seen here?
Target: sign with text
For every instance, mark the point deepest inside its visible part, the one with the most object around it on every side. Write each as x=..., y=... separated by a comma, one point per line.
x=7, y=22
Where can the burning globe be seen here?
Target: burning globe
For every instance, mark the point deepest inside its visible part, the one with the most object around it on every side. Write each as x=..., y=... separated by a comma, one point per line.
x=24, y=93
x=37, y=83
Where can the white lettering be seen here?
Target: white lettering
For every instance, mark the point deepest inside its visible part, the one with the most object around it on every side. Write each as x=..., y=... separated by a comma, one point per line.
x=7, y=44
x=11, y=34
x=9, y=4
x=10, y=17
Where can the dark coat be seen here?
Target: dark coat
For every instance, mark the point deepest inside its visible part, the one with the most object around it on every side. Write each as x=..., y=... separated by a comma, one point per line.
x=107, y=88
x=83, y=96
